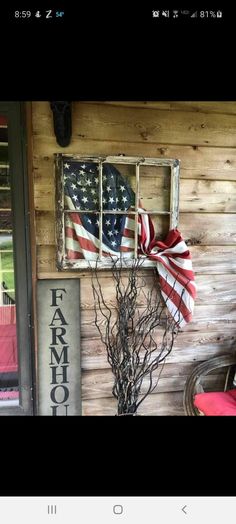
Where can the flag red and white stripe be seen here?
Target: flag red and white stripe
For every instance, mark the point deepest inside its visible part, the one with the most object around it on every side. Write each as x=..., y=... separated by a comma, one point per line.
x=81, y=244
x=174, y=266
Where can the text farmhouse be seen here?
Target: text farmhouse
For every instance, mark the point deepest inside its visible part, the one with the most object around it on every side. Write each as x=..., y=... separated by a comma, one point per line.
x=59, y=347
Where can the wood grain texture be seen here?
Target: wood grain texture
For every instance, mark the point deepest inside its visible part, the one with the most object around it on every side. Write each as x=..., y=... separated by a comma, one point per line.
x=205, y=317
x=206, y=260
x=211, y=289
x=45, y=228
x=99, y=383
x=162, y=404
x=108, y=288
x=44, y=197
x=103, y=122
x=46, y=259
x=215, y=289
x=204, y=107
x=207, y=196
x=189, y=347
x=213, y=229
x=196, y=162
x=211, y=260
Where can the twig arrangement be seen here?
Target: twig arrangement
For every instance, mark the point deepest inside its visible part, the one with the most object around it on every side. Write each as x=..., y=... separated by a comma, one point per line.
x=137, y=340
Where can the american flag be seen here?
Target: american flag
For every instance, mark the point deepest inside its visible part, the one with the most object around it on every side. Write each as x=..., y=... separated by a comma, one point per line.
x=81, y=188
x=174, y=264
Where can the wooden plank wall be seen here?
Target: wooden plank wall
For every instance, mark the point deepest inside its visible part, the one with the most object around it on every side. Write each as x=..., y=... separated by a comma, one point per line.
x=203, y=136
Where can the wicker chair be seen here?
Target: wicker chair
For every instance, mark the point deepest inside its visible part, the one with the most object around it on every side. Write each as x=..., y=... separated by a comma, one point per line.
x=193, y=384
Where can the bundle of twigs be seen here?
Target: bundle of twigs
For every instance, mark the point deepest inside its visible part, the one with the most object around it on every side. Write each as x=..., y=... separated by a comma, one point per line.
x=137, y=340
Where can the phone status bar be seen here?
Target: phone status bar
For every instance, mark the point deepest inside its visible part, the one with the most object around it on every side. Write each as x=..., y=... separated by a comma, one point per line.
x=37, y=14
x=175, y=14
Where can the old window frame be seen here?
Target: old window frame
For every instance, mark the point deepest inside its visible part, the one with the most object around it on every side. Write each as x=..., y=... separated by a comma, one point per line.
x=173, y=213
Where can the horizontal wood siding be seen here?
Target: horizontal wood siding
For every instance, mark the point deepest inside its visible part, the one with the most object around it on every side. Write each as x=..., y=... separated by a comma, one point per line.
x=204, y=107
x=190, y=347
x=102, y=122
x=202, y=135
x=156, y=404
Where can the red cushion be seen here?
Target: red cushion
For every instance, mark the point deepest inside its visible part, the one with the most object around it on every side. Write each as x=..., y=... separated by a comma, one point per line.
x=220, y=403
x=7, y=315
x=9, y=395
x=8, y=348
x=8, y=340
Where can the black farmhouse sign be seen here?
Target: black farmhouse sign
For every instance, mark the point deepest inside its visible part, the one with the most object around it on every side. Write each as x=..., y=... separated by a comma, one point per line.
x=59, y=376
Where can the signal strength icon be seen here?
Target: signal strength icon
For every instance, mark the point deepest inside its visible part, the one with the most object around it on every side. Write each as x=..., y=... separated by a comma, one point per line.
x=194, y=15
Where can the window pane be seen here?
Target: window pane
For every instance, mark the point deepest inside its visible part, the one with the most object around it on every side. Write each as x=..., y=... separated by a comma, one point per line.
x=7, y=269
x=119, y=185
x=5, y=221
x=82, y=236
x=3, y=153
x=159, y=224
x=9, y=394
x=4, y=177
x=81, y=185
x=154, y=183
x=118, y=235
x=5, y=197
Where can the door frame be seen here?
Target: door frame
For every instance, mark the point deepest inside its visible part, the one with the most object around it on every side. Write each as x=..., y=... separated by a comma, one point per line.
x=17, y=150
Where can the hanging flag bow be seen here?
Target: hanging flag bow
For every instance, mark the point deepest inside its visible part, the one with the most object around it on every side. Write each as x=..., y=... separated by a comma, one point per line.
x=174, y=264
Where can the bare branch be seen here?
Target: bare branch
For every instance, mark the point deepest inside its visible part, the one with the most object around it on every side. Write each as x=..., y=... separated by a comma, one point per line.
x=137, y=340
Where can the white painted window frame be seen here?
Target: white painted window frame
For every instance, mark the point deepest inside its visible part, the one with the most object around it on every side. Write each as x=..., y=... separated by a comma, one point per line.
x=103, y=263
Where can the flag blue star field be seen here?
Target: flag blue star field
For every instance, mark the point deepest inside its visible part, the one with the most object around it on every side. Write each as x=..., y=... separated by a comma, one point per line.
x=81, y=189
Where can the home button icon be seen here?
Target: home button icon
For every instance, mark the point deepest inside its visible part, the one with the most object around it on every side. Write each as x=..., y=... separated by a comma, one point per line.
x=118, y=509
